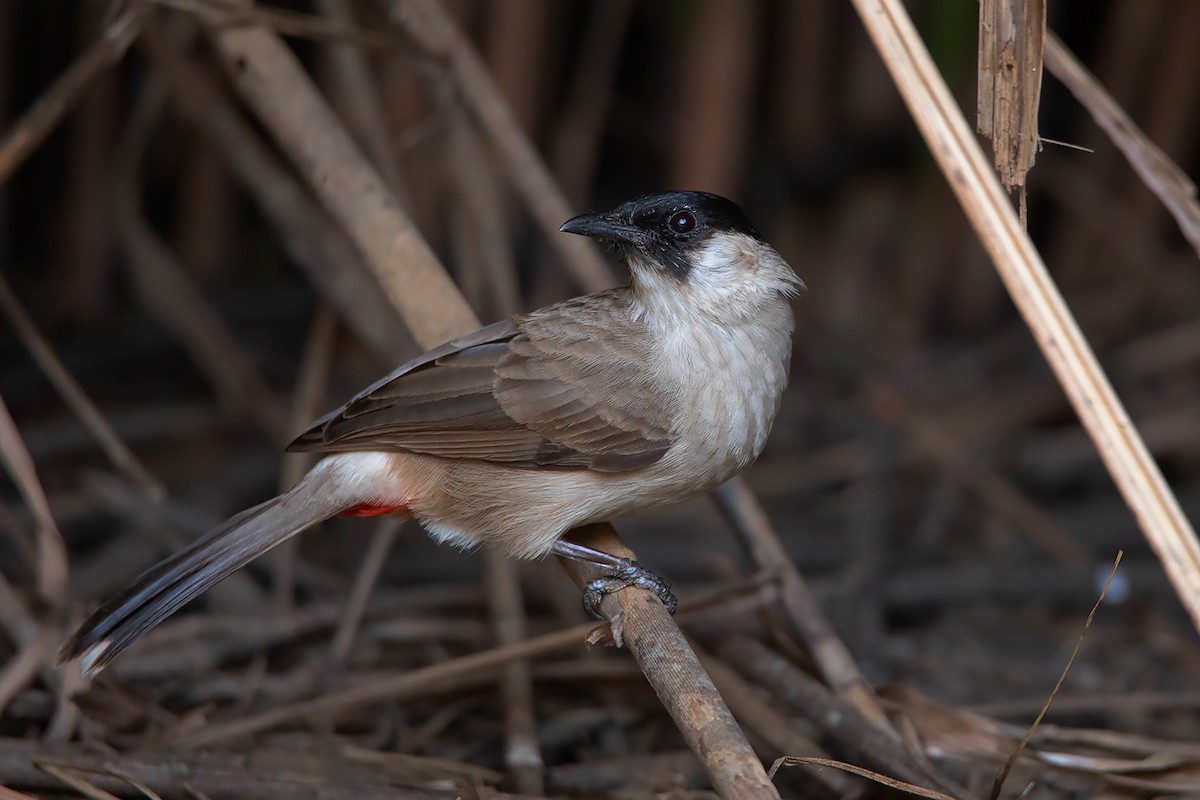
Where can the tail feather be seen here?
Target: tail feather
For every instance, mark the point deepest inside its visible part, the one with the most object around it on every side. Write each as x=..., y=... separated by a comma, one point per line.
x=161, y=590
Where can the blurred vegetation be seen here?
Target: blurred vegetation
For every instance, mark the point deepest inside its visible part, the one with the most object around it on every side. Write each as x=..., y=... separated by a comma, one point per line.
x=925, y=470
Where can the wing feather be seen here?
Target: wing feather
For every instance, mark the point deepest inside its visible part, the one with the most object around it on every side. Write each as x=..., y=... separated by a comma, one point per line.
x=521, y=393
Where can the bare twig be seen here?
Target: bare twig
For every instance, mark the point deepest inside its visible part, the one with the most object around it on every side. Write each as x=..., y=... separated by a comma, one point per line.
x=748, y=519
x=408, y=684
x=275, y=85
x=85, y=788
x=1033, y=726
x=306, y=232
x=358, y=96
x=434, y=31
x=834, y=717
x=170, y=297
x=272, y=775
x=522, y=754
x=1160, y=174
x=41, y=119
x=120, y=455
x=364, y=582
x=770, y=725
x=891, y=783
x=1036, y=296
x=32, y=647
x=51, y=567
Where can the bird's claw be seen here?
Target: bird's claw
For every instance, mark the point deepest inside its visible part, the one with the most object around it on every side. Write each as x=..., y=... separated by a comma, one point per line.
x=628, y=573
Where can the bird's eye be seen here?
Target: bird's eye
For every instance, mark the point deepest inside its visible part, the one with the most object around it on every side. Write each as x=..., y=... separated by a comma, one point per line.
x=682, y=222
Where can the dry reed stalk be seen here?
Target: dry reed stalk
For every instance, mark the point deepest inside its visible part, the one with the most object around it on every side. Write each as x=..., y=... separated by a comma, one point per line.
x=435, y=32
x=369, y=569
x=749, y=521
x=1161, y=175
x=1010, y=83
x=1033, y=291
x=28, y=133
x=358, y=97
x=51, y=565
x=168, y=294
x=275, y=85
x=74, y=395
x=522, y=752
x=305, y=231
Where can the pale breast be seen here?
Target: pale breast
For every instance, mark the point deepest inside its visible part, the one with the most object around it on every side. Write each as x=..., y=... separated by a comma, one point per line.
x=731, y=380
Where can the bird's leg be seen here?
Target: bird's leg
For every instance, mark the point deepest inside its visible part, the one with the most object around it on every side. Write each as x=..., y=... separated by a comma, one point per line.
x=619, y=573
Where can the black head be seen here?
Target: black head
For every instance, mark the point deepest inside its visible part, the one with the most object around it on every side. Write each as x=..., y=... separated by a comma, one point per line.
x=668, y=228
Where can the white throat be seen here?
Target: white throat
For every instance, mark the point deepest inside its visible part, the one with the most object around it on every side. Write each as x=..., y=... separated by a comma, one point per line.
x=725, y=334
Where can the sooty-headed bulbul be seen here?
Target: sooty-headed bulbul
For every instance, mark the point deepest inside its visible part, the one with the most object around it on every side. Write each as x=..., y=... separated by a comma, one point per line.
x=592, y=408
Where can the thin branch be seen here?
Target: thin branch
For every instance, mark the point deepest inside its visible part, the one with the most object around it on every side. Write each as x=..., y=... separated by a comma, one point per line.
x=364, y=582
x=1161, y=175
x=51, y=567
x=74, y=395
x=275, y=85
x=1033, y=726
x=746, y=516
x=308, y=235
x=414, y=683
x=358, y=96
x=29, y=131
x=434, y=31
x=170, y=297
x=770, y=725
x=833, y=716
x=522, y=754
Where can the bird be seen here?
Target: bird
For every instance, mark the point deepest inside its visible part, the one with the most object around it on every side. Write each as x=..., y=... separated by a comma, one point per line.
x=597, y=407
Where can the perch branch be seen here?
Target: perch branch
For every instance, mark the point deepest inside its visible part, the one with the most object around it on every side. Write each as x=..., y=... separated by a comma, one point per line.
x=639, y=619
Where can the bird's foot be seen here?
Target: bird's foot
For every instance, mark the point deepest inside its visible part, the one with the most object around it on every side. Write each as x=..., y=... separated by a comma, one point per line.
x=622, y=575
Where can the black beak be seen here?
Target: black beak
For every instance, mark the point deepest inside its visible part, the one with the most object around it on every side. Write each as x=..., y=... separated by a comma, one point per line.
x=603, y=226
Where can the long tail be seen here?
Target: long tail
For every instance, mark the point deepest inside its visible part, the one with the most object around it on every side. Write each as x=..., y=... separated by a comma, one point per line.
x=161, y=590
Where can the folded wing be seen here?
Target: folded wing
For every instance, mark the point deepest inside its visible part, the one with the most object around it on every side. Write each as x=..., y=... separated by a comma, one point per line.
x=533, y=392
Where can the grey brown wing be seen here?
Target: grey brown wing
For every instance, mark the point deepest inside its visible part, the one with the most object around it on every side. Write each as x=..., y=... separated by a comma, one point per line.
x=501, y=396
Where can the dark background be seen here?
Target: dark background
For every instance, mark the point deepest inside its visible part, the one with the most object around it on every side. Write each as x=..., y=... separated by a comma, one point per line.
x=965, y=570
